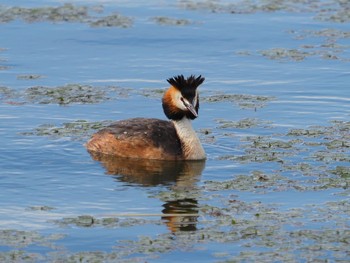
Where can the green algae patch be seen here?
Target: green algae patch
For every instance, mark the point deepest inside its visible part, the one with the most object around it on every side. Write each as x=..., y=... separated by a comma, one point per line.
x=311, y=159
x=41, y=208
x=72, y=93
x=262, y=149
x=86, y=221
x=76, y=130
x=20, y=256
x=242, y=124
x=244, y=101
x=29, y=77
x=89, y=256
x=342, y=171
x=285, y=54
x=18, y=241
x=7, y=93
x=168, y=21
x=66, y=13
x=114, y=20
x=257, y=182
x=325, y=10
x=152, y=93
x=327, y=49
x=21, y=238
x=63, y=95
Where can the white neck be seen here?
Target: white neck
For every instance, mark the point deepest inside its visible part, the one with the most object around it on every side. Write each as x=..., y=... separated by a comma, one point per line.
x=192, y=147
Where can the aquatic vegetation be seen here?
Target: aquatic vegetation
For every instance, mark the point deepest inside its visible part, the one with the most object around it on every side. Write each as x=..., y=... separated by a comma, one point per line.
x=115, y=20
x=87, y=221
x=283, y=53
x=242, y=124
x=152, y=93
x=29, y=77
x=20, y=238
x=63, y=95
x=250, y=224
x=72, y=93
x=163, y=20
x=76, y=130
x=41, y=208
x=118, y=221
x=330, y=10
x=64, y=13
x=244, y=101
x=329, y=49
x=320, y=153
x=6, y=93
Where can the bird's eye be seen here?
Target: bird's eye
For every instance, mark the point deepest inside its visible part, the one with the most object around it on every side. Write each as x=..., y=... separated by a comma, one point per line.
x=185, y=102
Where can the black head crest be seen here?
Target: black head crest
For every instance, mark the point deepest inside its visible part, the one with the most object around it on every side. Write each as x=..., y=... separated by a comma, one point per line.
x=188, y=88
x=185, y=85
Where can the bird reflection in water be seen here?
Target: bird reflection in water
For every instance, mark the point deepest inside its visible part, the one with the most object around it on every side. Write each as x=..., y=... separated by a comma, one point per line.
x=179, y=214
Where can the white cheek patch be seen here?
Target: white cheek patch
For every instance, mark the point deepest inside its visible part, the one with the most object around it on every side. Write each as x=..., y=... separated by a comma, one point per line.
x=182, y=103
x=178, y=102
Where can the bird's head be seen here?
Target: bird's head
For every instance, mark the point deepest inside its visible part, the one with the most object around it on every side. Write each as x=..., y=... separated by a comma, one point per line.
x=181, y=99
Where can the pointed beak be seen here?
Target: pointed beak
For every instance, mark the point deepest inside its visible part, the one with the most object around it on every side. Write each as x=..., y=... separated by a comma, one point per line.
x=191, y=108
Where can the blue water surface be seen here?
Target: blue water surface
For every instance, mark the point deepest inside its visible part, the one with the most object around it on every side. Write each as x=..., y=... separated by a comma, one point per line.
x=224, y=48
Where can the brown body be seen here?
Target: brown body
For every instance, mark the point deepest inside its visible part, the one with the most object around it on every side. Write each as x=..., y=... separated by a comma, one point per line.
x=138, y=138
x=158, y=139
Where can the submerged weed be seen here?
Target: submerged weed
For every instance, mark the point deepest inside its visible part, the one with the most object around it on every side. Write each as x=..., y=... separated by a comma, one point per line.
x=63, y=95
x=72, y=93
x=285, y=54
x=244, y=101
x=163, y=20
x=20, y=238
x=91, y=221
x=114, y=20
x=29, y=77
x=242, y=124
x=64, y=13
x=79, y=130
x=329, y=10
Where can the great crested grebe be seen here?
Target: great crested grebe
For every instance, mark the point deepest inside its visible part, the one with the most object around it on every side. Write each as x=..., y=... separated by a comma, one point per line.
x=153, y=138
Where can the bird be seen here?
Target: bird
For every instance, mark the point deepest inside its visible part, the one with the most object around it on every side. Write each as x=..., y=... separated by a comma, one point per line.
x=150, y=138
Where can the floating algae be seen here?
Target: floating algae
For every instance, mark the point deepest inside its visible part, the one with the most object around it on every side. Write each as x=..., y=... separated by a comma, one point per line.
x=29, y=77
x=244, y=101
x=242, y=124
x=110, y=222
x=163, y=20
x=64, y=13
x=21, y=238
x=285, y=54
x=80, y=129
x=328, y=10
x=72, y=93
x=114, y=20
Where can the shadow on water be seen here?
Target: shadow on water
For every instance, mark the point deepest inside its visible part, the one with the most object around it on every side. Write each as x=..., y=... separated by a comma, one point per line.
x=179, y=214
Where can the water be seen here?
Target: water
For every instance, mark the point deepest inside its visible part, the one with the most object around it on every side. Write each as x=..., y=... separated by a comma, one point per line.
x=251, y=198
